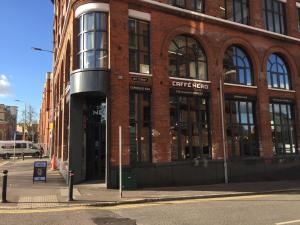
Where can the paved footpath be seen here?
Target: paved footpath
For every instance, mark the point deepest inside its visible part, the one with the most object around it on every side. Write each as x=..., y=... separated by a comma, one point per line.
x=24, y=194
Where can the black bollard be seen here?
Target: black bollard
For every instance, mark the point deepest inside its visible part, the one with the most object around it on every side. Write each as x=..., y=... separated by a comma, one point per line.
x=23, y=156
x=71, y=180
x=4, y=186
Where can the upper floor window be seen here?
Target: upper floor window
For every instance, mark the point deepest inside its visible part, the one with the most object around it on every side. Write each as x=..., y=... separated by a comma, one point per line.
x=237, y=67
x=274, y=16
x=277, y=73
x=198, y=5
x=139, y=46
x=178, y=3
x=237, y=11
x=93, y=41
x=187, y=59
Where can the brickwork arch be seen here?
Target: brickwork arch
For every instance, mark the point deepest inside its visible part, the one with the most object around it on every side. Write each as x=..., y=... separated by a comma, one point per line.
x=194, y=33
x=288, y=59
x=249, y=50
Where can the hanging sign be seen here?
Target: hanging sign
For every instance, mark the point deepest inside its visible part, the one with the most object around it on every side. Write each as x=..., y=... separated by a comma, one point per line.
x=40, y=171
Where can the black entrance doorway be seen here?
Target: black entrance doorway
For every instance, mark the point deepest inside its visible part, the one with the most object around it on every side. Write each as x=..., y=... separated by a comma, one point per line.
x=95, y=139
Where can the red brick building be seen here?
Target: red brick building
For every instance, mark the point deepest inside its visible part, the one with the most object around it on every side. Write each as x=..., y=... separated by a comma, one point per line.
x=189, y=82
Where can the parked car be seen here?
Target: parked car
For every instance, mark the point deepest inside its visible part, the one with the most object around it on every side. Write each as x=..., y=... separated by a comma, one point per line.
x=18, y=148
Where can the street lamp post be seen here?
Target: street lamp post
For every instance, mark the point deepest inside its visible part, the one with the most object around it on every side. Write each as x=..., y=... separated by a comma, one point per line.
x=24, y=122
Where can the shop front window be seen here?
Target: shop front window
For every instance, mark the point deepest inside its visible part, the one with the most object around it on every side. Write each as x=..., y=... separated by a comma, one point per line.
x=237, y=67
x=187, y=59
x=241, y=128
x=274, y=16
x=93, y=41
x=140, y=127
x=277, y=73
x=237, y=11
x=283, y=128
x=139, y=46
x=189, y=132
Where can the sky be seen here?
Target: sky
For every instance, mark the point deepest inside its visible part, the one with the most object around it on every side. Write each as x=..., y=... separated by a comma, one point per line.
x=24, y=24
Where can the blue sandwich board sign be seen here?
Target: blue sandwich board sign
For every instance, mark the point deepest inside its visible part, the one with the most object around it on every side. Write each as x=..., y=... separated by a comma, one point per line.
x=40, y=171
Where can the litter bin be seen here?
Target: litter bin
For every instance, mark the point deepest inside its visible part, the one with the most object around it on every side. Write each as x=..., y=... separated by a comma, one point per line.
x=129, y=181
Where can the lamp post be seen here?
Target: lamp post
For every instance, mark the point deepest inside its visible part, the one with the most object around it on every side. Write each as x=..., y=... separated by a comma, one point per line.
x=41, y=50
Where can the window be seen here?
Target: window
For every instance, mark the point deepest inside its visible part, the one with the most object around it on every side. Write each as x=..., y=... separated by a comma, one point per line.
x=187, y=59
x=241, y=130
x=178, y=3
x=277, y=73
x=140, y=127
x=93, y=41
x=274, y=16
x=189, y=132
x=139, y=46
x=198, y=5
x=237, y=11
x=237, y=67
x=283, y=128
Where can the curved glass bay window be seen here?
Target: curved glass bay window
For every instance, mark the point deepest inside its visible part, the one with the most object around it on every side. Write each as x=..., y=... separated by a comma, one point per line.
x=274, y=16
x=237, y=67
x=241, y=130
x=283, y=128
x=139, y=46
x=187, y=59
x=277, y=73
x=189, y=132
x=93, y=41
x=237, y=11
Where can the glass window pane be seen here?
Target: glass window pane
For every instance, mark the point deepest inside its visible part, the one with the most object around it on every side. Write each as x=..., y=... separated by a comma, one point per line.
x=101, y=59
x=133, y=61
x=101, y=21
x=144, y=66
x=89, y=41
x=101, y=40
x=88, y=21
x=89, y=59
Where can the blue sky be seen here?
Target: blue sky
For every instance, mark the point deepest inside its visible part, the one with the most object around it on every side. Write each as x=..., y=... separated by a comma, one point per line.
x=24, y=24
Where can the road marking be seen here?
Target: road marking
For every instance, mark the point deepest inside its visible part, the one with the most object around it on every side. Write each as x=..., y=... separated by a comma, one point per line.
x=124, y=206
x=289, y=222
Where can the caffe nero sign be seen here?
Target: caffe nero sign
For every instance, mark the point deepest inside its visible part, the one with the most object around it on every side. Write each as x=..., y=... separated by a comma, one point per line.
x=190, y=85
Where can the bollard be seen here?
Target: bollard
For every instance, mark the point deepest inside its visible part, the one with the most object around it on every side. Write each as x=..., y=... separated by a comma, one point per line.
x=71, y=180
x=23, y=156
x=4, y=186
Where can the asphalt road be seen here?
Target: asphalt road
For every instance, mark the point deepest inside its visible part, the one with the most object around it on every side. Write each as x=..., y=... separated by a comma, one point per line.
x=279, y=209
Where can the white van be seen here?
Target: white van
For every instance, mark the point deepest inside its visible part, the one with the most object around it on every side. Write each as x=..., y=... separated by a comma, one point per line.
x=18, y=148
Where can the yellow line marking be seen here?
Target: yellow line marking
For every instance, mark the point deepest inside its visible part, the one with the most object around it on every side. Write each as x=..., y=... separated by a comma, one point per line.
x=289, y=222
x=125, y=206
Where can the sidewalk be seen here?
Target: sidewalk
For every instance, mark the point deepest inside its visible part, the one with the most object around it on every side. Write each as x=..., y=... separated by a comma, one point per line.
x=23, y=194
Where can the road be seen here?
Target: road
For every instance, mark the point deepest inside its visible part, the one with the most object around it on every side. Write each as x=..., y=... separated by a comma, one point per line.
x=279, y=209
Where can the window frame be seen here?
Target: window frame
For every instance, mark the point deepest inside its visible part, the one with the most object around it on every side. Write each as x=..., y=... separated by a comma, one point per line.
x=81, y=41
x=179, y=126
x=235, y=58
x=186, y=64
x=244, y=6
x=271, y=25
x=298, y=12
x=139, y=123
x=254, y=143
x=138, y=51
x=270, y=73
x=291, y=122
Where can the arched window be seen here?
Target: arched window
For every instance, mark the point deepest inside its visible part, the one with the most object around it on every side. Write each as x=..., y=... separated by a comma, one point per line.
x=277, y=73
x=187, y=59
x=237, y=67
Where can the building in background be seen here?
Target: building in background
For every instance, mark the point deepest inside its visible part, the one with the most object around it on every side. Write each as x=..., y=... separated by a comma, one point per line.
x=8, y=122
x=191, y=83
x=45, y=124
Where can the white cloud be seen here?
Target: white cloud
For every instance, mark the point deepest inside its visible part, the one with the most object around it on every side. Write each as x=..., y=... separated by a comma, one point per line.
x=5, y=86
